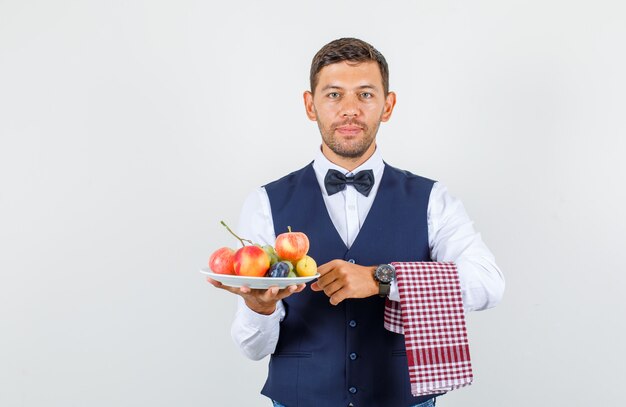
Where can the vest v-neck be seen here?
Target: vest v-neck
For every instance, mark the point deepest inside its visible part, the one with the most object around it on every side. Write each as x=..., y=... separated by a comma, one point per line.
x=371, y=214
x=309, y=178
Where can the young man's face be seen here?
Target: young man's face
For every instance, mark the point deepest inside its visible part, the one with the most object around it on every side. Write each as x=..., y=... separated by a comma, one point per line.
x=348, y=104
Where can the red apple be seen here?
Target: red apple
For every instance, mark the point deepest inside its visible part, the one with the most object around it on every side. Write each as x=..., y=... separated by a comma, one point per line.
x=222, y=261
x=251, y=261
x=291, y=246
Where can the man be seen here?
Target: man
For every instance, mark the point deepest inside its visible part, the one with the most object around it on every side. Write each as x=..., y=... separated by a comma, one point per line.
x=327, y=341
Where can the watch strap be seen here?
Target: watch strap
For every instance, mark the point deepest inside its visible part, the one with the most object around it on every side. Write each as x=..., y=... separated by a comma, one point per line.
x=384, y=289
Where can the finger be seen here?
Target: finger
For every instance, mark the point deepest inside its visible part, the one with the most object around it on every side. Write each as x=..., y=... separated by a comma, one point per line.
x=292, y=289
x=221, y=286
x=333, y=288
x=298, y=288
x=270, y=293
x=295, y=288
x=214, y=283
x=337, y=297
x=327, y=279
x=327, y=267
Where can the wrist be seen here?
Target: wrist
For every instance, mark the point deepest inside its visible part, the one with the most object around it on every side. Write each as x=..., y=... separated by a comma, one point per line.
x=263, y=309
x=374, y=285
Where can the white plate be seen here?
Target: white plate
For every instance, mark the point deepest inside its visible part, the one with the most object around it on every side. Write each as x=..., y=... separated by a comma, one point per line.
x=256, y=282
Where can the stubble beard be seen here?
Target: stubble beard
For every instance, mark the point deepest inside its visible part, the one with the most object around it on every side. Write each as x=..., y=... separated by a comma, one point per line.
x=351, y=149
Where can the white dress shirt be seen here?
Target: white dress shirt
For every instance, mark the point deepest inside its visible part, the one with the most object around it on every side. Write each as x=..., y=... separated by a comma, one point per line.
x=451, y=237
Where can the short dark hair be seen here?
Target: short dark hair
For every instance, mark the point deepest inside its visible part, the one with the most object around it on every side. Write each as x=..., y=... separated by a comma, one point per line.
x=348, y=49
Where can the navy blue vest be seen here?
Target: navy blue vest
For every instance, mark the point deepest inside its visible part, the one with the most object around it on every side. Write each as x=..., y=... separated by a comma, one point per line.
x=335, y=355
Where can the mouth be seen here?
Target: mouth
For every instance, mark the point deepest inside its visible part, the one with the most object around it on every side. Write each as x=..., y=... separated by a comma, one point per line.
x=348, y=129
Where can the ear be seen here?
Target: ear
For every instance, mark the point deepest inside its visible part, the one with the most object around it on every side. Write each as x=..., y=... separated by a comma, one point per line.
x=308, y=106
x=390, y=102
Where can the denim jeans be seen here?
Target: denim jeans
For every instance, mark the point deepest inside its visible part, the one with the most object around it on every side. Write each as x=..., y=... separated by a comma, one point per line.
x=429, y=403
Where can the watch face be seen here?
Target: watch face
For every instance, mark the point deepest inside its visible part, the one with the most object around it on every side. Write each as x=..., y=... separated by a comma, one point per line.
x=385, y=273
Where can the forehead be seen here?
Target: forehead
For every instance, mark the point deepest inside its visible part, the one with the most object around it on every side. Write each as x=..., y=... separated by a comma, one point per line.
x=347, y=74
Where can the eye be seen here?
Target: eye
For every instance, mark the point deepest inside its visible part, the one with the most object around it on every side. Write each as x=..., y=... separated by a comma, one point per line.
x=366, y=95
x=333, y=95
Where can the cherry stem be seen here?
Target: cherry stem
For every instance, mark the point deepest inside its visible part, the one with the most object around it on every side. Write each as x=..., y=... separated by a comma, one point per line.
x=289, y=229
x=233, y=233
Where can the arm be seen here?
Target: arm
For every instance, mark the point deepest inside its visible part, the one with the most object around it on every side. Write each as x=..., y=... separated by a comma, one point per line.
x=256, y=325
x=255, y=334
x=452, y=238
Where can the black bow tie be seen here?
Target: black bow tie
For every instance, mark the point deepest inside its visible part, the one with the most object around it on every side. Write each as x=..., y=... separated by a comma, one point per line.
x=335, y=181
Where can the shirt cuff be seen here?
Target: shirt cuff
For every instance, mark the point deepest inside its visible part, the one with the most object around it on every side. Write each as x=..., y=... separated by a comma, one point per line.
x=260, y=321
x=394, y=295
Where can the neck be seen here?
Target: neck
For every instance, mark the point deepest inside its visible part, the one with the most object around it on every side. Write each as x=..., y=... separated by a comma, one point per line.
x=348, y=163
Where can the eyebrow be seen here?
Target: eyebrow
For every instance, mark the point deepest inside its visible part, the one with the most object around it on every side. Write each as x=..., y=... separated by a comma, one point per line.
x=332, y=87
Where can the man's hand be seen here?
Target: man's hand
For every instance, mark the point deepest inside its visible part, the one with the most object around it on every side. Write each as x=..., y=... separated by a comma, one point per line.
x=260, y=301
x=340, y=279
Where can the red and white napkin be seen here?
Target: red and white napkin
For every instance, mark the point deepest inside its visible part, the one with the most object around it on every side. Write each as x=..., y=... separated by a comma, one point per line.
x=431, y=317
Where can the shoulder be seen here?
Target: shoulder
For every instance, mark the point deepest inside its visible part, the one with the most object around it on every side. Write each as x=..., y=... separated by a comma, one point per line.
x=408, y=176
x=290, y=179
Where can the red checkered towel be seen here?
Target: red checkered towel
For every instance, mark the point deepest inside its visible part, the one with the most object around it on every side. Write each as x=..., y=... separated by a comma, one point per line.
x=430, y=314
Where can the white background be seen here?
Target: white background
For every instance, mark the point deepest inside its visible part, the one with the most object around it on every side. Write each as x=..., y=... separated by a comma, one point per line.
x=129, y=129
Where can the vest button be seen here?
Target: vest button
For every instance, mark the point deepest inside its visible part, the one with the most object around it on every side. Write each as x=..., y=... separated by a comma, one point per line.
x=352, y=261
x=352, y=390
x=353, y=356
x=352, y=323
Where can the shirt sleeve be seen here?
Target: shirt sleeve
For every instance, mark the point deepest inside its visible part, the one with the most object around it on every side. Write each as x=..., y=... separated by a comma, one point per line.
x=452, y=238
x=256, y=335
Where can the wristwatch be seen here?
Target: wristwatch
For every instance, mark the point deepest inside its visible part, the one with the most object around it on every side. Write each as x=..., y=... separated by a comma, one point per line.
x=384, y=274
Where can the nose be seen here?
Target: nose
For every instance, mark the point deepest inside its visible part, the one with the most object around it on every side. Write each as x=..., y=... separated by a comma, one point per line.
x=350, y=107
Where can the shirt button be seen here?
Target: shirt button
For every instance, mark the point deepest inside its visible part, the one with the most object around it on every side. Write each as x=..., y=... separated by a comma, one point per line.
x=353, y=356
x=352, y=261
x=352, y=323
x=352, y=390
